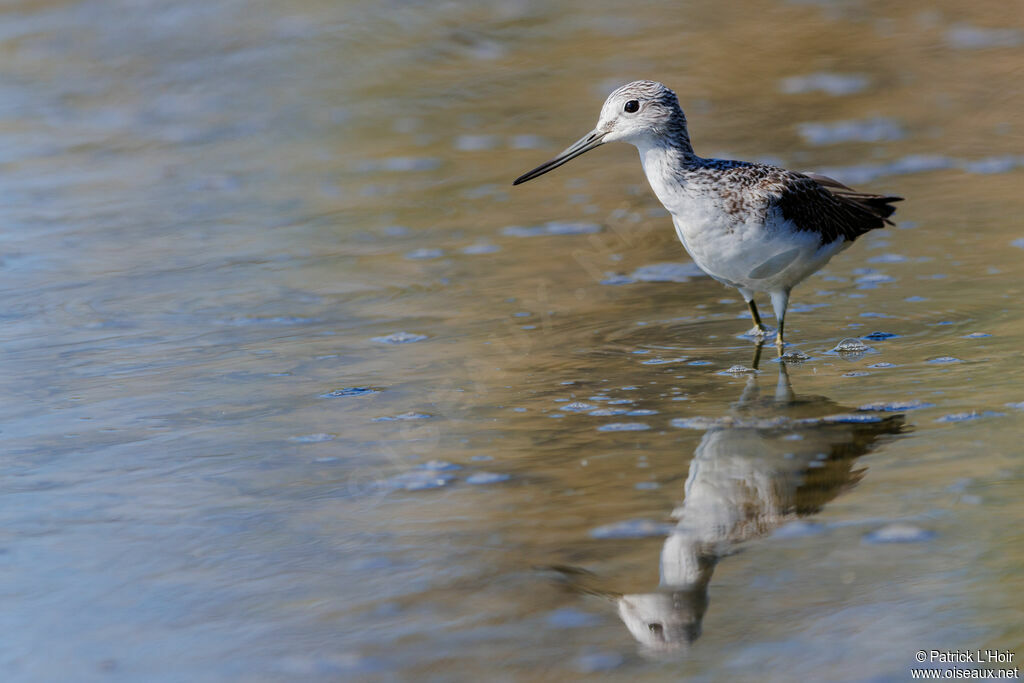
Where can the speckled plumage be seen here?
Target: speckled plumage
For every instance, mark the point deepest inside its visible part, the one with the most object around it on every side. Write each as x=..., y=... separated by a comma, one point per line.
x=752, y=226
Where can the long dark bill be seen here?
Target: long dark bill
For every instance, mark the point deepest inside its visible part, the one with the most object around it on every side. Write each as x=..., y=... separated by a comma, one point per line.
x=584, y=144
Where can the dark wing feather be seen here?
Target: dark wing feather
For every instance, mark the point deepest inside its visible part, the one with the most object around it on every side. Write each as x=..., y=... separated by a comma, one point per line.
x=817, y=203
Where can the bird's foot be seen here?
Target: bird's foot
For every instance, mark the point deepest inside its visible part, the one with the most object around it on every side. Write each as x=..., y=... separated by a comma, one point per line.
x=758, y=332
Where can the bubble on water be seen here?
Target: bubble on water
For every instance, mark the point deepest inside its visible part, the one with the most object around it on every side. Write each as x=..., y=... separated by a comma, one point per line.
x=624, y=427
x=616, y=279
x=481, y=248
x=351, y=391
x=856, y=373
x=739, y=370
x=967, y=37
x=992, y=165
x=883, y=365
x=402, y=417
x=417, y=480
x=632, y=528
x=552, y=228
x=275, y=320
x=577, y=407
x=399, y=164
x=605, y=412
x=942, y=360
x=899, y=533
x=424, y=254
x=621, y=402
x=526, y=142
x=896, y=406
x=487, y=478
x=799, y=529
x=313, y=438
x=794, y=356
x=569, y=617
x=877, y=129
x=851, y=345
x=663, y=361
x=667, y=272
x=595, y=662
x=864, y=173
x=850, y=418
x=834, y=84
x=438, y=466
x=484, y=191
x=694, y=422
x=641, y=412
x=977, y=335
x=400, y=338
x=888, y=258
x=873, y=280
x=476, y=143
x=969, y=415
x=795, y=308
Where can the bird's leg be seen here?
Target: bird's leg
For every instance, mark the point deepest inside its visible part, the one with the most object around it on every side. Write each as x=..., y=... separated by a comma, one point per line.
x=759, y=329
x=780, y=302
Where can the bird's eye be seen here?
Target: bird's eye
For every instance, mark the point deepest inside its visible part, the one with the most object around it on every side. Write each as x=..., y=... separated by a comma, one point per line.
x=631, y=106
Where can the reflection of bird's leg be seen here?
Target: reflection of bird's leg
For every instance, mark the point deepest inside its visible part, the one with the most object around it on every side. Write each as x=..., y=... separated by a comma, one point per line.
x=783, y=388
x=757, y=353
x=751, y=391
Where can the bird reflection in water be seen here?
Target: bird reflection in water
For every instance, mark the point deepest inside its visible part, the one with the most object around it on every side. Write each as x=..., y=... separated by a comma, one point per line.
x=771, y=460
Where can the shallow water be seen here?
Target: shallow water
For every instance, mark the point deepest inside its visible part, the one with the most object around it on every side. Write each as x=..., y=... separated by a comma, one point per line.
x=300, y=388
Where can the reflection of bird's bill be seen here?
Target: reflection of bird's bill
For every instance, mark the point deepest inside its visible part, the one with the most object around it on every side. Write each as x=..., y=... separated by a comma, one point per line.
x=588, y=142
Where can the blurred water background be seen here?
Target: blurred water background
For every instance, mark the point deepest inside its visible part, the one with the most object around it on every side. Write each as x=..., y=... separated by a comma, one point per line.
x=297, y=387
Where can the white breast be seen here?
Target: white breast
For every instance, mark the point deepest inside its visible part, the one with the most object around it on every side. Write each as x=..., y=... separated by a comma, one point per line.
x=739, y=244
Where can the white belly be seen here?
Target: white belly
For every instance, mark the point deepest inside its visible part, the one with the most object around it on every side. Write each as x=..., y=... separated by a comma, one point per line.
x=754, y=255
x=733, y=239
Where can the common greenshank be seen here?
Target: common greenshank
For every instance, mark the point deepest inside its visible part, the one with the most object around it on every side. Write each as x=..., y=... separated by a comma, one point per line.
x=755, y=227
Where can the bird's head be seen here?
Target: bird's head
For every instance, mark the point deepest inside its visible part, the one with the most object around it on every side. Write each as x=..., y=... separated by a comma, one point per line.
x=641, y=113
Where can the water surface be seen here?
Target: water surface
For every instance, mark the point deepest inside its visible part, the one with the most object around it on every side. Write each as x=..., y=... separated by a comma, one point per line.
x=299, y=387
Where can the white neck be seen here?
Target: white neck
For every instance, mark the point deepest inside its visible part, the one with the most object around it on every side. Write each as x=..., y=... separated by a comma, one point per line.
x=661, y=164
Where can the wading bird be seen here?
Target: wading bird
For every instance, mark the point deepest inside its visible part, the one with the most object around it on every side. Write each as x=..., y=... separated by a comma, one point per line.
x=755, y=227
